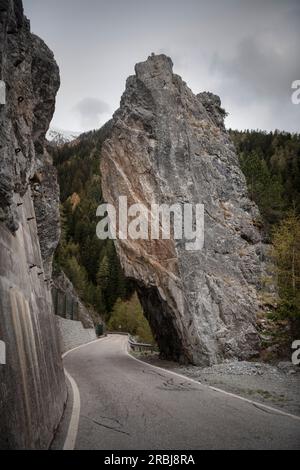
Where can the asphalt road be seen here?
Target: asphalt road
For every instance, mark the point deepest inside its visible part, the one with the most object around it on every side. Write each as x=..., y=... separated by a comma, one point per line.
x=129, y=405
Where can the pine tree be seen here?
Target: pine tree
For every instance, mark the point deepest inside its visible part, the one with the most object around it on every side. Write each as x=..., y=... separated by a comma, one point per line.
x=264, y=189
x=77, y=275
x=103, y=275
x=286, y=255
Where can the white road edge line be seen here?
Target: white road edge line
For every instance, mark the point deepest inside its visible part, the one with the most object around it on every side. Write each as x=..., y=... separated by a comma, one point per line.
x=83, y=346
x=70, y=441
x=232, y=395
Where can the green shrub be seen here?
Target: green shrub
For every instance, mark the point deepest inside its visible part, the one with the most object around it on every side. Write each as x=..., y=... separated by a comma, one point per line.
x=128, y=317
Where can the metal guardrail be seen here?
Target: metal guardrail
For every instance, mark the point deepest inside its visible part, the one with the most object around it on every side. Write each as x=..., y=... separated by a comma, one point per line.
x=136, y=347
x=140, y=347
x=117, y=333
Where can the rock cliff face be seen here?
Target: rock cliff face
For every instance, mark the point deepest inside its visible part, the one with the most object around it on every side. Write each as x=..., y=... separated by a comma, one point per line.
x=32, y=384
x=168, y=146
x=64, y=293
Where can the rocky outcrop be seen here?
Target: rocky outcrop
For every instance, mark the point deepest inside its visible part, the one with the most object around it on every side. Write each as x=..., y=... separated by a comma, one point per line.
x=32, y=383
x=65, y=295
x=168, y=146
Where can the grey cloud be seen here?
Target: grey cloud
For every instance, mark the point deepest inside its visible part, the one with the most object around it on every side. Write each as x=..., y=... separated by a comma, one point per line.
x=245, y=51
x=91, y=110
x=261, y=70
x=258, y=76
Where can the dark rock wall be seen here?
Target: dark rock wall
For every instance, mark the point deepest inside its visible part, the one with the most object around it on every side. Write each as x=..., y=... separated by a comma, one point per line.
x=32, y=383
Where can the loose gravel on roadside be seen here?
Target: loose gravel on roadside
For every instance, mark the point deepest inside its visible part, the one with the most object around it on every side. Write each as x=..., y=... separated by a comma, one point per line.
x=274, y=385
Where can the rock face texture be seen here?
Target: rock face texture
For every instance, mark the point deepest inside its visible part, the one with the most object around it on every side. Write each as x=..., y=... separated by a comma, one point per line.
x=67, y=303
x=32, y=384
x=168, y=146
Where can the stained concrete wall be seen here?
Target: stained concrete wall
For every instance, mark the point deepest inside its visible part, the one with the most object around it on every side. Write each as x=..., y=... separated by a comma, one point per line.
x=73, y=334
x=32, y=384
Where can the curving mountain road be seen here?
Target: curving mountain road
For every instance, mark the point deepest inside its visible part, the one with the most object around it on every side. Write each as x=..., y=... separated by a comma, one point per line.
x=128, y=405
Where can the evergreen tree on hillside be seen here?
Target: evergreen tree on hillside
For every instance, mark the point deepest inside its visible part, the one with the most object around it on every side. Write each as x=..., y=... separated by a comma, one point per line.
x=266, y=190
x=77, y=275
x=89, y=261
x=286, y=254
x=271, y=164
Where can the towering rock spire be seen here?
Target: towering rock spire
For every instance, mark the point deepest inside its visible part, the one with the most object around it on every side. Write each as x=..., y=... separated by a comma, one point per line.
x=168, y=146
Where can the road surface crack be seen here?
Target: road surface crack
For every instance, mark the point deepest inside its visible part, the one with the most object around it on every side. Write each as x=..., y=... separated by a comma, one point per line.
x=107, y=426
x=154, y=372
x=111, y=428
x=170, y=386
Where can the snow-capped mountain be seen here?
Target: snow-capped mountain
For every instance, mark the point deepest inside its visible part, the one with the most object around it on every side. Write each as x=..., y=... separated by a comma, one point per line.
x=60, y=136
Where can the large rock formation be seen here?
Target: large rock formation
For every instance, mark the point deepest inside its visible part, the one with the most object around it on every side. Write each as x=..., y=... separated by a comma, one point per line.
x=32, y=384
x=167, y=145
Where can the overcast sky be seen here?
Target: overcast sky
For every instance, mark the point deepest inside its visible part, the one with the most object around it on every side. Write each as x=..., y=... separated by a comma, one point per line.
x=246, y=51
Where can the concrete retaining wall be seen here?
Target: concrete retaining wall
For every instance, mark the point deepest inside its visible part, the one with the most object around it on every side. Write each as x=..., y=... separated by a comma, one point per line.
x=32, y=383
x=73, y=334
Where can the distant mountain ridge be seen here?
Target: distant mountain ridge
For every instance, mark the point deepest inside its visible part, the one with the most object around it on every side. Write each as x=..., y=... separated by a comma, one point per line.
x=60, y=137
